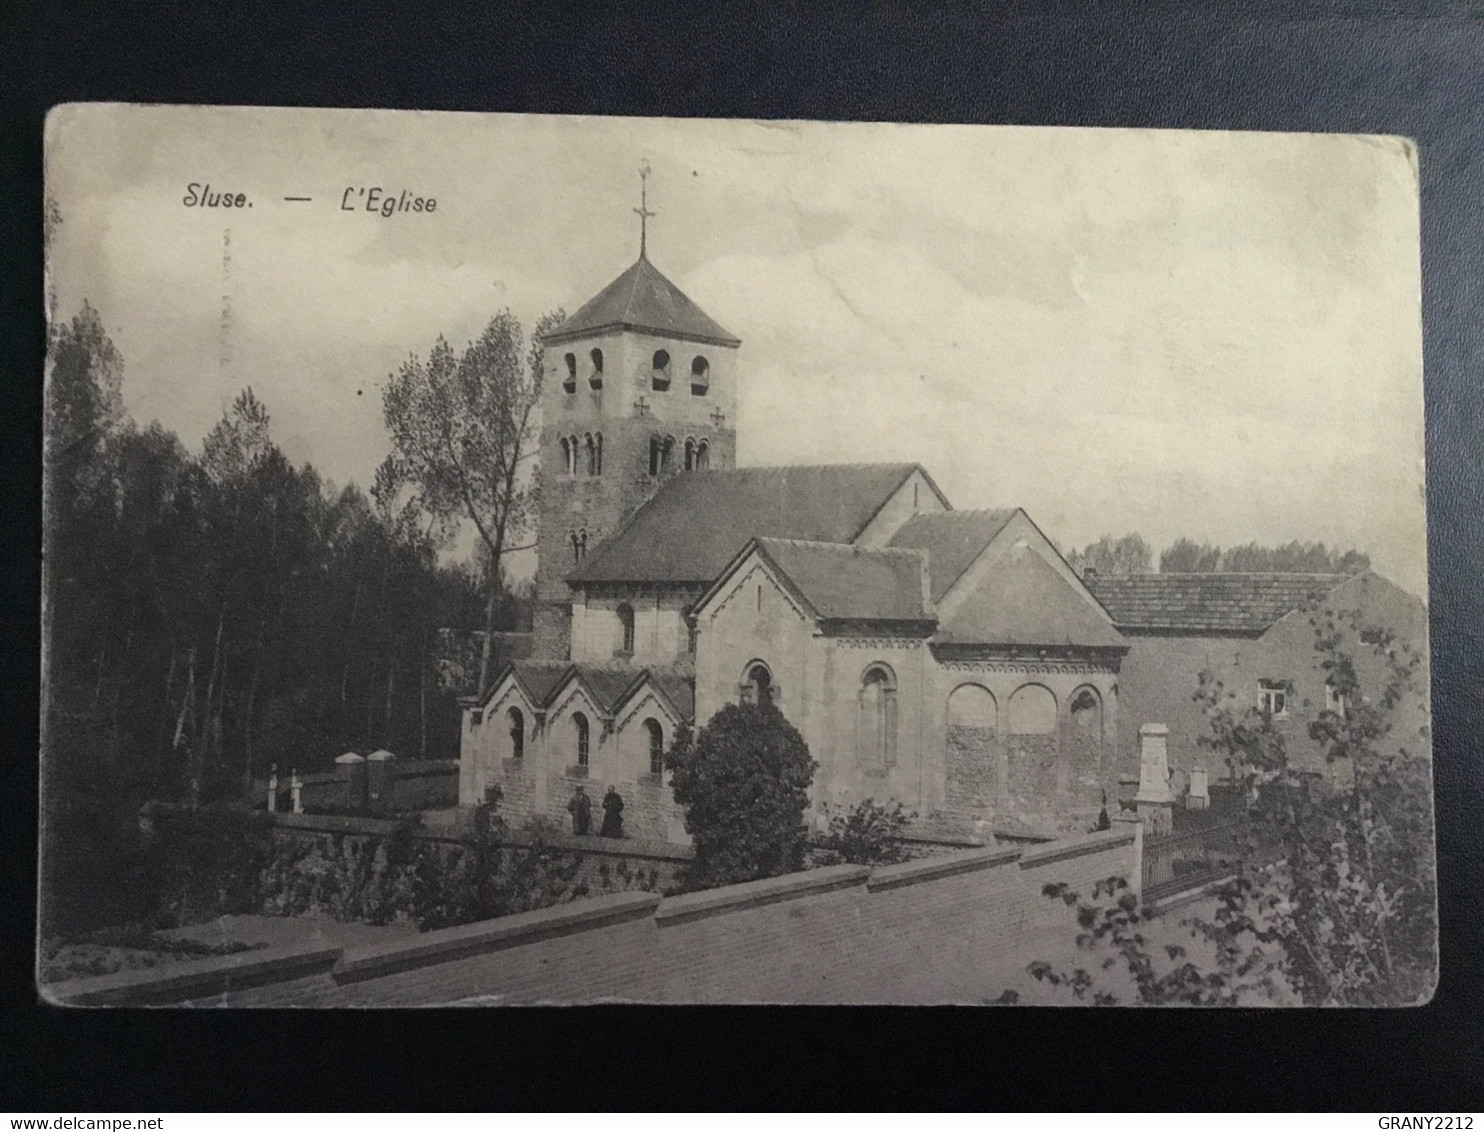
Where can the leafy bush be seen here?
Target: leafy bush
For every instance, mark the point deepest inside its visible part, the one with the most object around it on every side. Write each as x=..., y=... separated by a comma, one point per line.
x=744, y=781
x=867, y=834
x=1345, y=913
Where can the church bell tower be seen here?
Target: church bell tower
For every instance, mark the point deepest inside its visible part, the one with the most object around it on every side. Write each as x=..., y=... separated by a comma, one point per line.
x=640, y=385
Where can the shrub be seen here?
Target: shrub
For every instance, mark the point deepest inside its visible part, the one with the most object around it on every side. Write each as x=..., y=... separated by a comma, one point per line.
x=868, y=834
x=744, y=781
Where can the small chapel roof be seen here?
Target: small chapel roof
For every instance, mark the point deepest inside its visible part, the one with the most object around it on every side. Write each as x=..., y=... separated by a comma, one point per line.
x=1214, y=604
x=851, y=583
x=608, y=686
x=953, y=539
x=699, y=521
x=643, y=299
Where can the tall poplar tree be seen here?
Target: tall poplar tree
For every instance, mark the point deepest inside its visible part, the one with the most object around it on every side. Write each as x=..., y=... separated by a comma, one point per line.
x=461, y=427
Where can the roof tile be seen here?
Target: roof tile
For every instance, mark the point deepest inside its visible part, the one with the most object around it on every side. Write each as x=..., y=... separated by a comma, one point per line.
x=1206, y=603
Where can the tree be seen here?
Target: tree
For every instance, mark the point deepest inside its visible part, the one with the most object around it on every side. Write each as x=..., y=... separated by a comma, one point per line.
x=744, y=781
x=1335, y=902
x=1187, y=557
x=1129, y=554
x=461, y=428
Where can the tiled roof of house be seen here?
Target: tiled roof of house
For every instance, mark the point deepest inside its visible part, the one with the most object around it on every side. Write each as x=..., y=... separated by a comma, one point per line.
x=852, y=583
x=1206, y=603
x=953, y=539
x=1025, y=601
x=643, y=299
x=699, y=521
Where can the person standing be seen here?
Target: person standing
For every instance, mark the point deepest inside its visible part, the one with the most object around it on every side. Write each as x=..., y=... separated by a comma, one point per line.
x=581, y=809
x=612, y=814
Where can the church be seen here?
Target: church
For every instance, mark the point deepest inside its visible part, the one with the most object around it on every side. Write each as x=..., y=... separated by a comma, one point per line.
x=948, y=660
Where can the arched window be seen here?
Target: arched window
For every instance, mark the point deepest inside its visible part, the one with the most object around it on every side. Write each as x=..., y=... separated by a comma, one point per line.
x=580, y=731
x=700, y=376
x=703, y=456
x=576, y=548
x=667, y=453
x=655, y=444
x=517, y=733
x=575, y=449
x=566, y=456
x=599, y=437
x=570, y=384
x=659, y=378
x=656, y=746
x=626, y=627
x=757, y=687
x=596, y=379
x=690, y=454
x=592, y=455
x=581, y=545
x=876, y=731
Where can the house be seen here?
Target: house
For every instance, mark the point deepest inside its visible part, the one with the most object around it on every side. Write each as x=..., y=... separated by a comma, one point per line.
x=1256, y=634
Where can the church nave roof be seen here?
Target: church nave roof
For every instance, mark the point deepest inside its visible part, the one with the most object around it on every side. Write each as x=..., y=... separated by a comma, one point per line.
x=699, y=521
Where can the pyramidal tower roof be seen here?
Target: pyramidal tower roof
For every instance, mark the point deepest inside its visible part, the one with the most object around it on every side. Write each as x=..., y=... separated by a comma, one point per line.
x=642, y=299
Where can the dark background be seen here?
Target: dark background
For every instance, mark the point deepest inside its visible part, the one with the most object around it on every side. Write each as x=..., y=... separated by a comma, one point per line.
x=1416, y=70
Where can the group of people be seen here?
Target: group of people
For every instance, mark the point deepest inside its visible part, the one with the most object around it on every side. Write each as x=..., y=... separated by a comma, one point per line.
x=581, y=809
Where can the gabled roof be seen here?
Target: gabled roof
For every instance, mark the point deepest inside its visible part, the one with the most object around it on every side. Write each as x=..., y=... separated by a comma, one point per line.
x=609, y=687
x=1215, y=604
x=537, y=679
x=606, y=686
x=953, y=539
x=643, y=299
x=851, y=583
x=1024, y=601
x=699, y=521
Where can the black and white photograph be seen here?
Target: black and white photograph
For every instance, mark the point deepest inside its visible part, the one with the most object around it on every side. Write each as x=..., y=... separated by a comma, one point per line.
x=516, y=560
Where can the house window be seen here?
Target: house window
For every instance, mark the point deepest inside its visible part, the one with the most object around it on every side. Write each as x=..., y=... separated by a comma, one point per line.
x=1272, y=698
x=592, y=455
x=690, y=454
x=581, y=545
x=656, y=746
x=573, y=451
x=626, y=625
x=595, y=381
x=576, y=548
x=580, y=728
x=876, y=729
x=700, y=376
x=476, y=718
x=566, y=456
x=703, y=456
x=598, y=454
x=659, y=378
x=570, y=384
x=517, y=733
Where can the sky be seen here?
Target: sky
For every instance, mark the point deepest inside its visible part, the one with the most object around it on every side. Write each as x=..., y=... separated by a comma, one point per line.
x=1198, y=334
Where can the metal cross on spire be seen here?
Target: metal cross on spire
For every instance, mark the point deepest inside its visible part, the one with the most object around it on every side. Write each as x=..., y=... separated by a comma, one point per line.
x=643, y=209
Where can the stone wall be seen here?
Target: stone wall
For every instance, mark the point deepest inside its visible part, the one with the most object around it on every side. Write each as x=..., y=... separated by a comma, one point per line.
x=951, y=929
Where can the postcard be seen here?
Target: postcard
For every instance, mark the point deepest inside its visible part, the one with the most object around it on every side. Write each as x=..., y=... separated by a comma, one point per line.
x=518, y=560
